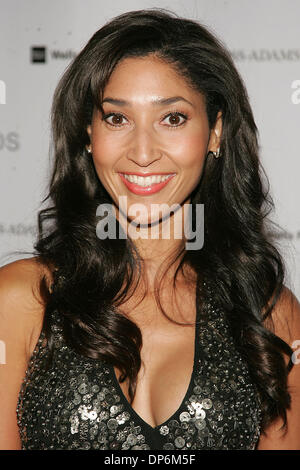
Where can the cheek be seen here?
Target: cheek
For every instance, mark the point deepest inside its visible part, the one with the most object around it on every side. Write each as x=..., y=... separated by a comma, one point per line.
x=105, y=155
x=191, y=151
x=187, y=149
x=105, y=152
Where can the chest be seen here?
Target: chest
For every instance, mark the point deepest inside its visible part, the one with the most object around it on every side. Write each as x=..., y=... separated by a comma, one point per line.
x=78, y=403
x=167, y=366
x=167, y=355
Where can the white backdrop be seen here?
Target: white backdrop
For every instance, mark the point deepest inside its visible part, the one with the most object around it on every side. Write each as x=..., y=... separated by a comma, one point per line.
x=263, y=36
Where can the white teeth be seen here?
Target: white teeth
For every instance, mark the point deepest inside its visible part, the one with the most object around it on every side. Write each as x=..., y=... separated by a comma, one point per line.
x=148, y=180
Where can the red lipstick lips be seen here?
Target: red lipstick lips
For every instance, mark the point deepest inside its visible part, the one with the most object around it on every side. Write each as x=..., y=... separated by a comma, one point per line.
x=145, y=190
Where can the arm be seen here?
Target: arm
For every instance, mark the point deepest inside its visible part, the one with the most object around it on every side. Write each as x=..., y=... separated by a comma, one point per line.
x=286, y=320
x=20, y=321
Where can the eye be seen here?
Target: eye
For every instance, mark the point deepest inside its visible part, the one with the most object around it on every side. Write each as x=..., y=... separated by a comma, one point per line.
x=116, y=119
x=174, y=118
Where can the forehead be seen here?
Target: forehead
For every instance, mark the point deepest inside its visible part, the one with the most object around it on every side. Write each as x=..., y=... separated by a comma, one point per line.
x=145, y=78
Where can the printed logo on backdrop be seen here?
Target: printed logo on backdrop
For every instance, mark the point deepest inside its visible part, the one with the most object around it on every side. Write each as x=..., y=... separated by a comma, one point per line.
x=285, y=235
x=19, y=229
x=38, y=55
x=9, y=141
x=266, y=55
x=41, y=54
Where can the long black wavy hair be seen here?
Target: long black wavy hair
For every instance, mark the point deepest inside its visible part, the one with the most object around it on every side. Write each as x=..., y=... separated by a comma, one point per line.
x=238, y=256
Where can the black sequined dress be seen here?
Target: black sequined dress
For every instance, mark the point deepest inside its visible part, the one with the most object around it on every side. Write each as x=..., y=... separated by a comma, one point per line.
x=78, y=403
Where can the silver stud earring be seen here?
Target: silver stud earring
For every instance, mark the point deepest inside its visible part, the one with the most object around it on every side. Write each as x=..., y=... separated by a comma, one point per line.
x=217, y=153
x=89, y=150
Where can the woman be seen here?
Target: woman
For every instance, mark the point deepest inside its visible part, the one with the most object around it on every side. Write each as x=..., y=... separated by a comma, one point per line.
x=131, y=341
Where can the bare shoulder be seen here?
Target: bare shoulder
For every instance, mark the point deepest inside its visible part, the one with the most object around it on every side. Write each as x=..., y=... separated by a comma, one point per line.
x=19, y=280
x=285, y=316
x=286, y=324
x=21, y=305
x=21, y=319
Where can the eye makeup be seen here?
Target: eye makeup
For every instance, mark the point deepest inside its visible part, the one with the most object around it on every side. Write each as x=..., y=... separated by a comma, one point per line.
x=179, y=113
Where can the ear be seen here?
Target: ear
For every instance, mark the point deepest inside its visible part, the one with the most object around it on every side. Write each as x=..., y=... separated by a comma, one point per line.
x=215, y=134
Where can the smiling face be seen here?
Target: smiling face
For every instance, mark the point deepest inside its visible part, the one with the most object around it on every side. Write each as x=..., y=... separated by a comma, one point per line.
x=150, y=145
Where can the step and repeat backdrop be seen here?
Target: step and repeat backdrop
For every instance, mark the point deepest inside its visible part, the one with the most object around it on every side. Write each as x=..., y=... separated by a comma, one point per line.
x=39, y=38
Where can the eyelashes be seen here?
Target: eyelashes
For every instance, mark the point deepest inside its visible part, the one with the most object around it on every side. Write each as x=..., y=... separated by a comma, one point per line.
x=168, y=115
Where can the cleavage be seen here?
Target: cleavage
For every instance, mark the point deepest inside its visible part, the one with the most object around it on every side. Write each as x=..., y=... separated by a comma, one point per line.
x=168, y=360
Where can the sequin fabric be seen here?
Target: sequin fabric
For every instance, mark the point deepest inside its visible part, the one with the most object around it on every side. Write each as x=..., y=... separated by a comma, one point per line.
x=78, y=403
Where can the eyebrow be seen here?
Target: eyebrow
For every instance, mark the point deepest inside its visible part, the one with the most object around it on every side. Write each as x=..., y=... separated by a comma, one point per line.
x=156, y=102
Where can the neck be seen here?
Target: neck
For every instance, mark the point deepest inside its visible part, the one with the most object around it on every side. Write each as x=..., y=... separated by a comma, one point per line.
x=158, y=244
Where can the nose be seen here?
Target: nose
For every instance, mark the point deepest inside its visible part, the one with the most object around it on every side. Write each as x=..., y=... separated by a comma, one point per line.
x=144, y=146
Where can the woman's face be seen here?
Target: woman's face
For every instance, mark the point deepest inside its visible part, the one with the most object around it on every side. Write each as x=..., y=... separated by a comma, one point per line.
x=154, y=125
